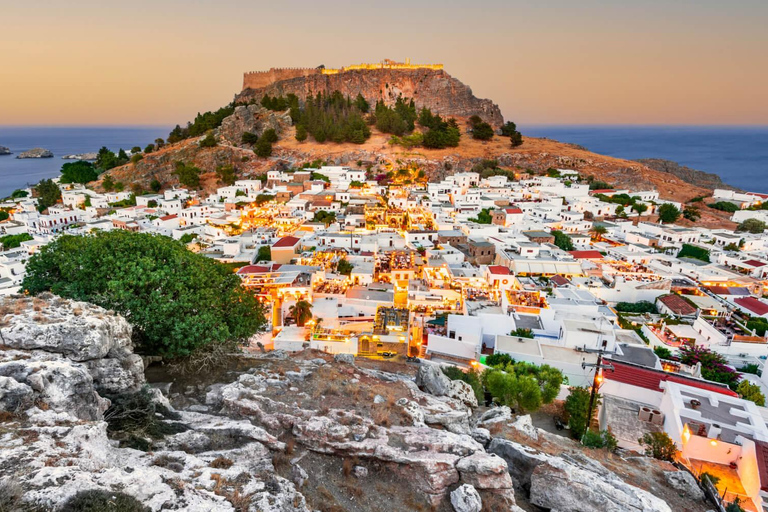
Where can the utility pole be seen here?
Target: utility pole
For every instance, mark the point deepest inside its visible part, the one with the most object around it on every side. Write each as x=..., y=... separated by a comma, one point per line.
x=597, y=379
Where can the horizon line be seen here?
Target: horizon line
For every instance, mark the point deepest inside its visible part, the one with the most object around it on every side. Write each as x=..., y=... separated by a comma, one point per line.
x=520, y=125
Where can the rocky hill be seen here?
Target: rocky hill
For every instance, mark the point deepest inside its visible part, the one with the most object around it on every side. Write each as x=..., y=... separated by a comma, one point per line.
x=275, y=432
x=701, y=178
x=431, y=88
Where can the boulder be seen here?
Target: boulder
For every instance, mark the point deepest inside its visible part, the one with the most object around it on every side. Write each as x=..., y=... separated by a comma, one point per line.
x=524, y=425
x=14, y=396
x=466, y=499
x=496, y=415
x=298, y=475
x=344, y=358
x=36, y=153
x=484, y=471
x=685, y=483
x=431, y=379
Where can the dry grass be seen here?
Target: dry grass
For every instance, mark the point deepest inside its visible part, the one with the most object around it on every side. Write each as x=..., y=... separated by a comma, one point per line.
x=38, y=304
x=231, y=492
x=221, y=463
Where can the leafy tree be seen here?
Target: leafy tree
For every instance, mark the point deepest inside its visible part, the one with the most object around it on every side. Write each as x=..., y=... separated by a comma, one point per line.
x=48, y=194
x=106, y=159
x=751, y=392
x=524, y=385
x=724, y=206
x=599, y=185
x=263, y=198
x=471, y=377
x=484, y=217
x=640, y=208
x=691, y=213
x=758, y=325
x=396, y=120
x=361, y=104
x=155, y=185
x=301, y=133
x=187, y=237
x=642, y=306
x=18, y=193
x=4, y=215
x=599, y=231
x=138, y=157
x=188, y=175
x=263, y=148
x=301, y=312
x=135, y=149
x=577, y=408
x=692, y=251
x=502, y=360
x=209, y=141
x=108, y=184
x=662, y=352
x=150, y=148
x=249, y=138
x=270, y=135
x=13, y=241
x=226, y=174
x=482, y=131
x=562, y=240
x=264, y=254
x=325, y=217
x=659, y=446
x=201, y=124
x=732, y=247
x=522, y=332
x=516, y=139
x=752, y=226
x=668, y=213
x=177, y=301
x=508, y=129
x=620, y=211
x=78, y=172
x=344, y=267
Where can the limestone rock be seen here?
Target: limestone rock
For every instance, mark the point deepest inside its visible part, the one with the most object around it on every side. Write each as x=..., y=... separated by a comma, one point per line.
x=434, y=89
x=685, y=483
x=14, y=395
x=432, y=380
x=36, y=153
x=344, y=358
x=524, y=425
x=496, y=415
x=254, y=119
x=360, y=471
x=81, y=156
x=466, y=499
x=298, y=475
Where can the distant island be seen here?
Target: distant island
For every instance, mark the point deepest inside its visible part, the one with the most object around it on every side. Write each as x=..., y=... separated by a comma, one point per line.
x=4, y=150
x=36, y=153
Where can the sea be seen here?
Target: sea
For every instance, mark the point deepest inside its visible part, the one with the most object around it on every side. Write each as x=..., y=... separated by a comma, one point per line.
x=738, y=154
x=61, y=140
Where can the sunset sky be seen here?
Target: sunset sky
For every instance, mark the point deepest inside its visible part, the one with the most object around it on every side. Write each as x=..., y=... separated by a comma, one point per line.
x=545, y=62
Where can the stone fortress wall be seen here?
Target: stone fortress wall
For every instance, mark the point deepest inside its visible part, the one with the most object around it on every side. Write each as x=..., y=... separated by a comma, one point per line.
x=259, y=79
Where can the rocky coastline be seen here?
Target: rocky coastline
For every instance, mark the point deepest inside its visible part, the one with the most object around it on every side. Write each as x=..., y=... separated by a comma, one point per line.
x=81, y=156
x=36, y=153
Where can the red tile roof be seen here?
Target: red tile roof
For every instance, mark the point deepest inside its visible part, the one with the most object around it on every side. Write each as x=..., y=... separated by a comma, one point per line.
x=287, y=241
x=757, y=307
x=755, y=263
x=169, y=217
x=678, y=305
x=602, y=191
x=252, y=269
x=498, y=270
x=513, y=210
x=650, y=378
x=586, y=255
x=559, y=280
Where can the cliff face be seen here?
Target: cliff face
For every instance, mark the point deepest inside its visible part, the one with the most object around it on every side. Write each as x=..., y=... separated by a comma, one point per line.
x=434, y=89
x=688, y=175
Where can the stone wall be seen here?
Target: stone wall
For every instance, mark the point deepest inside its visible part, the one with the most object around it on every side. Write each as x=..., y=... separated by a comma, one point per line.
x=259, y=79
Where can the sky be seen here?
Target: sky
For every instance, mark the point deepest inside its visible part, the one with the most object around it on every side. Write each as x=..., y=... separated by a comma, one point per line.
x=91, y=62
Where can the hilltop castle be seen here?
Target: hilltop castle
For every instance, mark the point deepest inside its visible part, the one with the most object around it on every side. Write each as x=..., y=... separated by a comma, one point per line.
x=259, y=79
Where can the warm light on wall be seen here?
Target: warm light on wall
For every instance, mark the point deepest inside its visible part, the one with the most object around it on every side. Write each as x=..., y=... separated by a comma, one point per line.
x=686, y=433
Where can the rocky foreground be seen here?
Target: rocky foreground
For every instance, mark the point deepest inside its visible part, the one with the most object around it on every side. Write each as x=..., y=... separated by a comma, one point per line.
x=275, y=432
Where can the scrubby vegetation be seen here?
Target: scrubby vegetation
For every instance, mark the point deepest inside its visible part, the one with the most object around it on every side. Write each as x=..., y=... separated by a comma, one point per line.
x=724, y=206
x=659, y=446
x=177, y=301
x=202, y=124
x=99, y=500
x=471, y=377
x=642, y=306
x=78, y=172
x=13, y=241
x=692, y=251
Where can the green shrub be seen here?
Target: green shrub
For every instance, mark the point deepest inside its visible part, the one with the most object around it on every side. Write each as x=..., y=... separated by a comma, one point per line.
x=669, y=213
x=642, y=306
x=662, y=352
x=499, y=360
x=98, y=500
x=249, y=138
x=659, y=446
x=13, y=241
x=692, y=251
x=209, y=141
x=724, y=206
x=177, y=301
x=602, y=439
x=577, y=409
x=263, y=148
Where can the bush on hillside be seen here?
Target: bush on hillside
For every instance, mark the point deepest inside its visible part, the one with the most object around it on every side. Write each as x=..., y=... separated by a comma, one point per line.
x=177, y=301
